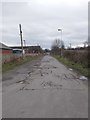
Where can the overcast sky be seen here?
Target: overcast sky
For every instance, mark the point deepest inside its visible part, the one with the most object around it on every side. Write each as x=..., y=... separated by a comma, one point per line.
x=41, y=19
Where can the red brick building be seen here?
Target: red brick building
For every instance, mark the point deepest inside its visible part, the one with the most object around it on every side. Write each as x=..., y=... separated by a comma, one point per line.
x=5, y=53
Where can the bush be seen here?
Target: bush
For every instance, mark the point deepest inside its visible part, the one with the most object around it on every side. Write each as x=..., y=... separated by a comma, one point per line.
x=77, y=56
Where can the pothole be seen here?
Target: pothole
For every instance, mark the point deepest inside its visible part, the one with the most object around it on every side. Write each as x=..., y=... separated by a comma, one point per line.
x=51, y=84
x=23, y=82
x=83, y=78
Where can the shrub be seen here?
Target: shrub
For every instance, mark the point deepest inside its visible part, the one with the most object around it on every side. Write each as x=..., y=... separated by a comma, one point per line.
x=78, y=56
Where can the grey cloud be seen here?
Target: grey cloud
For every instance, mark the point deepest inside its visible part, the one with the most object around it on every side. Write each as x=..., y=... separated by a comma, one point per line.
x=41, y=19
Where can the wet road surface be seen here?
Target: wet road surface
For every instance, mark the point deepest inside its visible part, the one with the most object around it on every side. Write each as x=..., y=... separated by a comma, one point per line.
x=46, y=89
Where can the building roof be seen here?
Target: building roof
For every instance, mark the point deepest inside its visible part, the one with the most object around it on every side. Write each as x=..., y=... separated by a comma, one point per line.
x=19, y=47
x=2, y=46
x=28, y=48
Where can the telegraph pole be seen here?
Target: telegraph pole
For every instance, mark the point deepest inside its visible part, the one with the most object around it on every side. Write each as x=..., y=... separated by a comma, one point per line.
x=61, y=39
x=21, y=39
x=70, y=45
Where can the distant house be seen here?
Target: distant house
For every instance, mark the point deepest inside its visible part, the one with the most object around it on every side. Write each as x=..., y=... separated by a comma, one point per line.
x=5, y=53
x=29, y=49
x=17, y=53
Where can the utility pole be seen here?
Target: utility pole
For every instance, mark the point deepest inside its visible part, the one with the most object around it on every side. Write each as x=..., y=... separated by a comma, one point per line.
x=70, y=45
x=21, y=39
x=60, y=30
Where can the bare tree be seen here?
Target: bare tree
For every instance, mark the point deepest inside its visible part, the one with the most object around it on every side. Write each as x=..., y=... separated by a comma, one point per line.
x=57, y=45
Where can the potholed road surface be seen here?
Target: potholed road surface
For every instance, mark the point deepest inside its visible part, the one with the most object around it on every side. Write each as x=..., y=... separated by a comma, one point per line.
x=47, y=89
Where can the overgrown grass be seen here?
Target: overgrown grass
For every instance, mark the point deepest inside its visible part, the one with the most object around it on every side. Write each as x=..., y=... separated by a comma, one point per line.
x=16, y=62
x=78, y=67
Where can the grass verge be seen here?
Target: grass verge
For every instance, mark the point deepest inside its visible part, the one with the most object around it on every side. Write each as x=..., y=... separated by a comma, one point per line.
x=78, y=67
x=16, y=62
